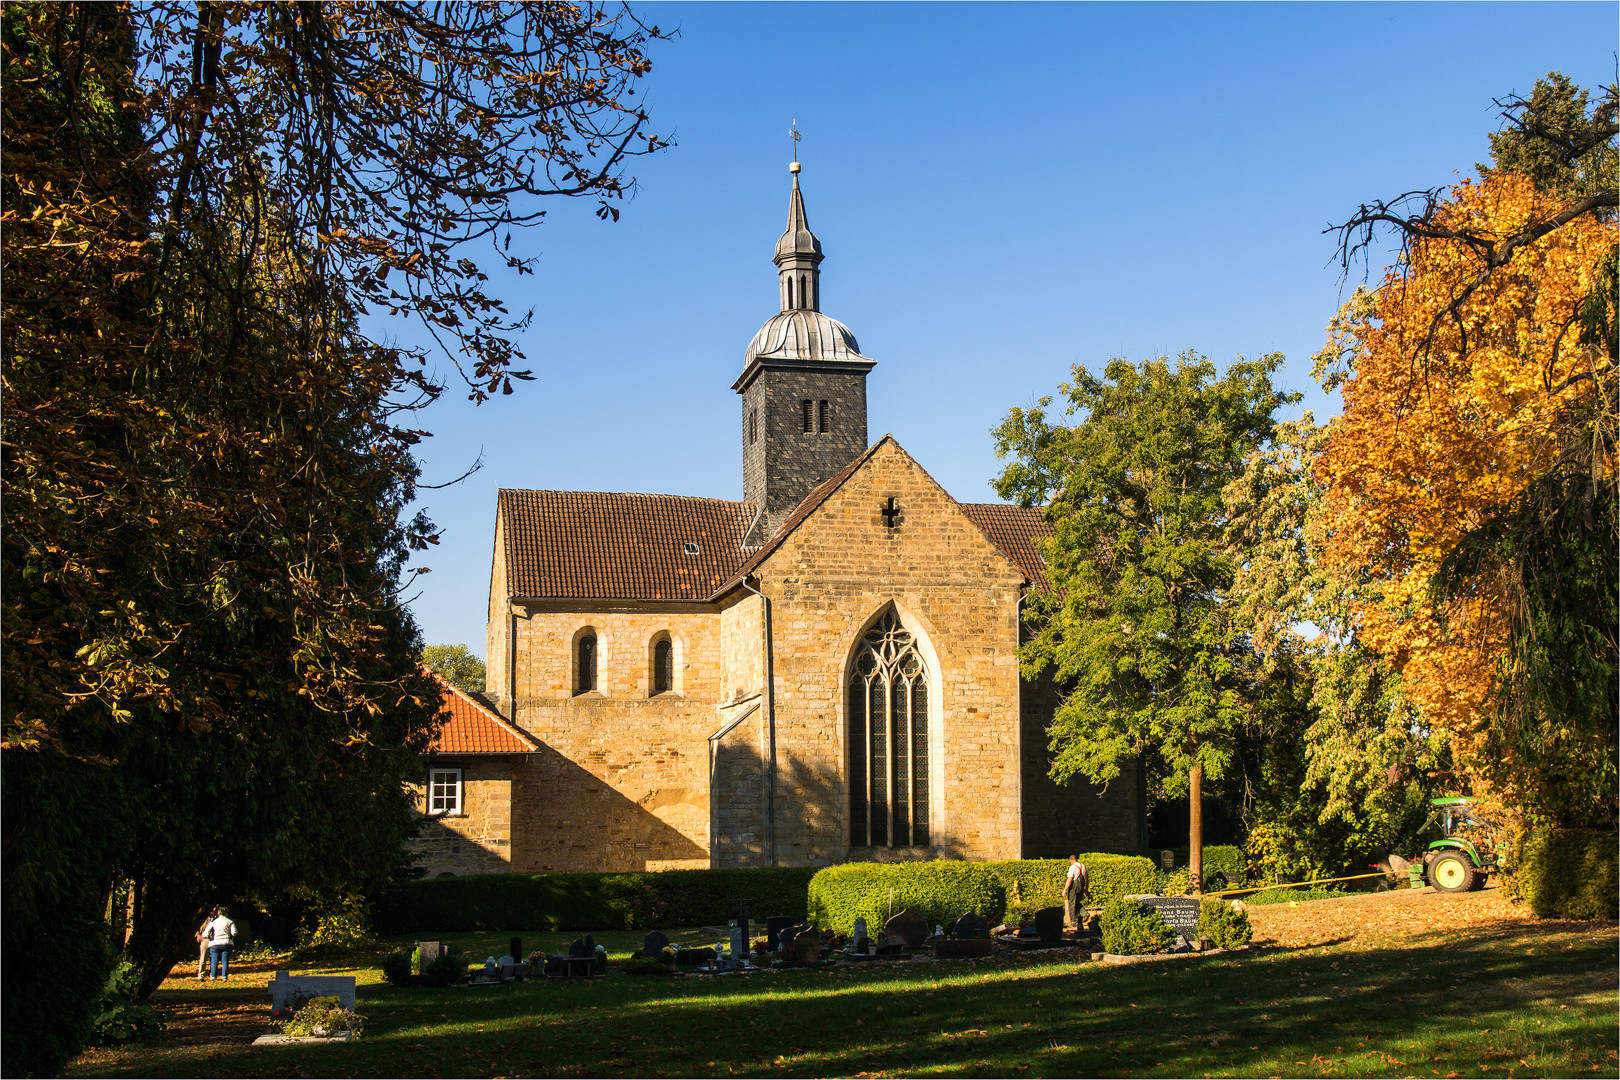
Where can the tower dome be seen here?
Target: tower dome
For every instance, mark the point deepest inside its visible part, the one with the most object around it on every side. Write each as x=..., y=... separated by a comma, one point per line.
x=803, y=335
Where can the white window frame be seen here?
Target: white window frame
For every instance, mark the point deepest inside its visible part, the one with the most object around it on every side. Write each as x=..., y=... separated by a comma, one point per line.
x=453, y=807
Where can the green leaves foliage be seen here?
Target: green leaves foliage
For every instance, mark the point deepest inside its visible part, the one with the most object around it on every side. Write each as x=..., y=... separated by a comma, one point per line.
x=1136, y=623
x=457, y=664
x=1131, y=928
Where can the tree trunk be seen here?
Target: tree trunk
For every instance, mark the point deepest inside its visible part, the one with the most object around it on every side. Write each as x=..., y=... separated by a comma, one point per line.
x=1195, y=827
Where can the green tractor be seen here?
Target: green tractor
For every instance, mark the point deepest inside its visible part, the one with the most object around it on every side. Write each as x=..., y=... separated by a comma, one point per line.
x=1461, y=850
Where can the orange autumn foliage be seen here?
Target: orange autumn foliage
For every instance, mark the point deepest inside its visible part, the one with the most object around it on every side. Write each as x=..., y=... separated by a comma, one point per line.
x=1433, y=438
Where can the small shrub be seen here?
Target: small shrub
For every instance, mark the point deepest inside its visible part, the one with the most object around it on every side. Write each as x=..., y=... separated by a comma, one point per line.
x=1175, y=883
x=449, y=966
x=339, y=924
x=121, y=1020
x=1223, y=924
x=322, y=1016
x=1569, y=873
x=396, y=967
x=1131, y=928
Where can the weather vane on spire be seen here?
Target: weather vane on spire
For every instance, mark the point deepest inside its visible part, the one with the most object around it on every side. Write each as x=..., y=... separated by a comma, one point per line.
x=793, y=133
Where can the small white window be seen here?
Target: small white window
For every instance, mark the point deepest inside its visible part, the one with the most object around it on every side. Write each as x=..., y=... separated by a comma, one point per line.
x=444, y=791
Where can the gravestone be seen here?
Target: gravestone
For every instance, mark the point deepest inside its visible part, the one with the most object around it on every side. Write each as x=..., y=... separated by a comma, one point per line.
x=1167, y=861
x=431, y=951
x=858, y=939
x=654, y=944
x=894, y=946
x=579, y=948
x=739, y=941
x=971, y=927
x=910, y=926
x=773, y=930
x=285, y=986
x=1049, y=924
x=516, y=951
x=1180, y=913
x=807, y=946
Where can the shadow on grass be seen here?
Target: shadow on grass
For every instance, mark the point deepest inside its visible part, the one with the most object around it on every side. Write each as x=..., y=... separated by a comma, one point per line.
x=1464, y=1002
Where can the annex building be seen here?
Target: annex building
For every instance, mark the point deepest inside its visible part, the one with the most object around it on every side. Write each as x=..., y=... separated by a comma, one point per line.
x=824, y=670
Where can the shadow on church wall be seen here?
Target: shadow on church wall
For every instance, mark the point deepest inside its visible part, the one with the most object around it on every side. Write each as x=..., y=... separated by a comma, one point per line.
x=567, y=819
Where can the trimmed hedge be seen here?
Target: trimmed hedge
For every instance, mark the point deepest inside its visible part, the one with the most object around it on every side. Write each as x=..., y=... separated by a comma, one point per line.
x=1040, y=881
x=629, y=901
x=1570, y=874
x=1218, y=858
x=944, y=890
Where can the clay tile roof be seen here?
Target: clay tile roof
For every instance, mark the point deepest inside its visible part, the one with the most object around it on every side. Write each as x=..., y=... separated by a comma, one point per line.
x=610, y=546
x=1013, y=529
x=471, y=726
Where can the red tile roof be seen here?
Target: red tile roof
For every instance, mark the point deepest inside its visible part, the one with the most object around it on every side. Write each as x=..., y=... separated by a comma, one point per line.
x=610, y=546
x=1013, y=529
x=471, y=726
x=593, y=545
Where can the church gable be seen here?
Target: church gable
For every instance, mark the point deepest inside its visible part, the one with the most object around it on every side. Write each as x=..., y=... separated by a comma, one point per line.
x=884, y=515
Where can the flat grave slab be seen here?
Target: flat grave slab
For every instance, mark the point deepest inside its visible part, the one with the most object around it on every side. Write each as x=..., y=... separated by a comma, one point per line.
x=288, y=1040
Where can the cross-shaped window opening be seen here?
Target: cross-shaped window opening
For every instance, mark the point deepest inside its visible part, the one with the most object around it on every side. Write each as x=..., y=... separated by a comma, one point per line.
x=891, y=513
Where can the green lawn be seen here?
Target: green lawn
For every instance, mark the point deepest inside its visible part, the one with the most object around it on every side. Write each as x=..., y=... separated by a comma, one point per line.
x=1515, y=1001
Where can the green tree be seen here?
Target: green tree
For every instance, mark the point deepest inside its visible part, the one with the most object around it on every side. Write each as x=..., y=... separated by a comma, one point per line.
x=458, y=665
x=1137, y=623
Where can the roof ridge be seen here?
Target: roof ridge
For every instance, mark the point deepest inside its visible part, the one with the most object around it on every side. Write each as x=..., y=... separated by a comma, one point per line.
x=634, y=494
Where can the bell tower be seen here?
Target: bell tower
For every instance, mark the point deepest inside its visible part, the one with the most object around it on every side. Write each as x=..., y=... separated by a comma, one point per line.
x=803, y=385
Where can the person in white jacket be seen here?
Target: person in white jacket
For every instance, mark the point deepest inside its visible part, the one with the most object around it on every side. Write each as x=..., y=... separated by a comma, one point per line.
x=220, y=933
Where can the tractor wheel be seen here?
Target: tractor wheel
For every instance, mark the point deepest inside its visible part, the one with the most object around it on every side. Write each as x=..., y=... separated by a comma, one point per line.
x=1451, y=871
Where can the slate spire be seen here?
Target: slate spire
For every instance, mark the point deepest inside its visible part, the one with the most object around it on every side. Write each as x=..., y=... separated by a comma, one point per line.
x=798, y=256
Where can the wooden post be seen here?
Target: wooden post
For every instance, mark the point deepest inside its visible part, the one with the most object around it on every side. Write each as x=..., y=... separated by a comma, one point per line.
x=1195, y=830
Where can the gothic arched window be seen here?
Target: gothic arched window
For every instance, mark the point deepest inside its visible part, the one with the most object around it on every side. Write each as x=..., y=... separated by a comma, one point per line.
x=888, y=739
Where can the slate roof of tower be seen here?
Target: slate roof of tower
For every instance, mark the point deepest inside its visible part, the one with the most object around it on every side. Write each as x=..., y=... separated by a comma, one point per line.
x=472, y=726
x=614, y=546
x=1013, y=529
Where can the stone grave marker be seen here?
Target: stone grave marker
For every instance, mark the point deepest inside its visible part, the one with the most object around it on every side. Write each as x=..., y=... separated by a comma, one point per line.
x=971, y=927
x=654, y=944
x=516, y=950
x=909, y=926
x=431, y=951
x=739, y=941
x=807, y=946
x=773, y=930
x=1167, y=861
x=1180, y=913
x=285, y=986
x=1049, y=924
x=578, y=948
x=858, y=938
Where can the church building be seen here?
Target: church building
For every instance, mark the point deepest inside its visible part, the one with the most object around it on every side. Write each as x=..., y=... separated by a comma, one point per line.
x=823, y=671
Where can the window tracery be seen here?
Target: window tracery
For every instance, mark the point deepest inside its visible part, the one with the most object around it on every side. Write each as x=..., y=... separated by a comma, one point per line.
x=888, y=738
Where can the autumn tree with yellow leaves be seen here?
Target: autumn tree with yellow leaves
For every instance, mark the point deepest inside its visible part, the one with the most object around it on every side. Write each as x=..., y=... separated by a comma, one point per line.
x=1471, y=478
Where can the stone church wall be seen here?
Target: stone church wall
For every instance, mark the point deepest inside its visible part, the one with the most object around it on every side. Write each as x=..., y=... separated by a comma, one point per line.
x=1067, y=819
x=479, y=839
x=621, y=780
x=828, y=580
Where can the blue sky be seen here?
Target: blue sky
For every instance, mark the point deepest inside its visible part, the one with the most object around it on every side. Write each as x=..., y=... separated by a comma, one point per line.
x=1002, y=191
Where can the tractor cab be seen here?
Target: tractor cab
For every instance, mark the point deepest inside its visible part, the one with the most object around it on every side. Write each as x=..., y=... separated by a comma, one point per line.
x=1461, y=845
